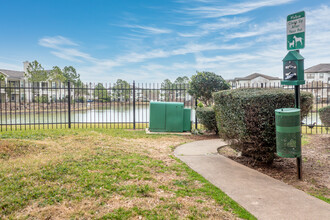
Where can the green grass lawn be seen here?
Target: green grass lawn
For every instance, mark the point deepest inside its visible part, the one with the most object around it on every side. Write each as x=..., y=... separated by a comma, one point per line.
x=103, y=174
x=6, y=128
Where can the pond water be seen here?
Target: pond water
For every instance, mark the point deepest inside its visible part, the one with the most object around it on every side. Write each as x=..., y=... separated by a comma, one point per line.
x=115, y=115
x=118, y=114
x=311, y=118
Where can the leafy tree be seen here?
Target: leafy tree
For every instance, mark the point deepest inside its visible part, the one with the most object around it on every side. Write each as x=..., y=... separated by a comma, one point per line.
x=81, y=89
x=2, y=77
x=181, y=84
x=182, y=80
x=150, y=94
x=121, y=90
x=56, y=74
x=71, y=75
x=203, y=84
x=167, y=84
x=101, y=93
x=167, y=90
x=36, y=73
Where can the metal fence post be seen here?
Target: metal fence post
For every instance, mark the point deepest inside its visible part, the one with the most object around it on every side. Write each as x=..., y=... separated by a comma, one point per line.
x=69, y=105
x=133, y=104
x=195, y=113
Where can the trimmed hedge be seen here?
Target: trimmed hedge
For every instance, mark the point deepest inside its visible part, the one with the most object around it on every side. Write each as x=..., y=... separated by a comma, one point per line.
x=206, y=116
x=246, y=117
x=325, y=115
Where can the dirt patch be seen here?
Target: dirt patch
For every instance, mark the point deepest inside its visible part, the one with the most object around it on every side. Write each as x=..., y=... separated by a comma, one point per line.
x=316, y=166
x=85, y=209
x=16, y=148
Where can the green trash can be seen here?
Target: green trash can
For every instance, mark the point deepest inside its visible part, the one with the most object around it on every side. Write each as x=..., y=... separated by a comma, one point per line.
x=288, y=133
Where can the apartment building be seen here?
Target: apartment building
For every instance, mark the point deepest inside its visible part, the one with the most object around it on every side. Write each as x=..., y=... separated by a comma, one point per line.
x=15, y=87
x=256, y=80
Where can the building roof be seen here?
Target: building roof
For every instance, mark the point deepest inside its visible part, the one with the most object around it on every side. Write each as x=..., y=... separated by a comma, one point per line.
x=12, y=74
x=255, y=75
x=320, y=68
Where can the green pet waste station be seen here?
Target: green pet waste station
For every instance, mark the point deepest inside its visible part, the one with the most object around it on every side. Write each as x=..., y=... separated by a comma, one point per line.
x=169, y=117
x=288, y=133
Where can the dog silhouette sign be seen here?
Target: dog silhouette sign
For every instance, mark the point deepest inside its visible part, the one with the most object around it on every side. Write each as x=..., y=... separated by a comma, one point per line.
x=295, y=31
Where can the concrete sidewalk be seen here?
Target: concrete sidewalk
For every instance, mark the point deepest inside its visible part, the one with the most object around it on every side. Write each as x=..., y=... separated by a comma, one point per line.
x=261, y=195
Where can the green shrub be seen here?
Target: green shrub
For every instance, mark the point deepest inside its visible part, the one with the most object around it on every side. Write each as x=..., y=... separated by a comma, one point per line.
x=206, y=116
x=81, y=99
x=325, y=115
x=41, y=99
x=246, y=117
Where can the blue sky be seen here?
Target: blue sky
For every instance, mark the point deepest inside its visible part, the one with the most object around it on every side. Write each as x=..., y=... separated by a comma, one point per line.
x=151, y=40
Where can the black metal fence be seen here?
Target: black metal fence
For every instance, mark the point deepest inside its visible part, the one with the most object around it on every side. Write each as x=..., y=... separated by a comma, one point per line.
x=65, y=105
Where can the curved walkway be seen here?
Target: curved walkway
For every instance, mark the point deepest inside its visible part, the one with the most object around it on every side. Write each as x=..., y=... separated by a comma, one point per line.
x=261, y=195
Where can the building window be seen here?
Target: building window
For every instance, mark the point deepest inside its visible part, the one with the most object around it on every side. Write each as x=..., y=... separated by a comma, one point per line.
x=22, y=83
x=321, y=75
x=12, y=98
x=53, y=84
x=12, y=83
x=310, y=76
x=35, y=85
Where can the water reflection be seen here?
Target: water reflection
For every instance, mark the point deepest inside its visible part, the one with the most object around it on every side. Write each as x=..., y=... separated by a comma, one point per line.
x=106, y=115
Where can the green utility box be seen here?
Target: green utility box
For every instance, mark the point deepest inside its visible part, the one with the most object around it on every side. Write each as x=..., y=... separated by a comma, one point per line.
x=186, y=119
x=288, y=134
x=293, y=69
x=169, y=117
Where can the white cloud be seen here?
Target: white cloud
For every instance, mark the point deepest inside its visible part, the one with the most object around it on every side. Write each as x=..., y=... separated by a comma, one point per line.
x=10, y=66
x=150, y=30
x=106, y=65
x=268, y=40
x=54, y=42
x=260, y=29
x=195, y=34
x=225, y=23
x=234, y=9
x=65, y=56
x=317, y=47
x=235, y=58
x=65, y=50
x=62, y=48
x=219, y=25
x=270, y=48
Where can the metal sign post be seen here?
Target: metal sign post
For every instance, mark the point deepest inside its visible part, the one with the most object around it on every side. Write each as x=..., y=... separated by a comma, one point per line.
x=295, y=41
x=293, y=63
x=297, y=105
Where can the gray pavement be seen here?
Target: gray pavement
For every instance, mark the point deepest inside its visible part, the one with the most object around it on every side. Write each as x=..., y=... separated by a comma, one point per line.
x=261, y=195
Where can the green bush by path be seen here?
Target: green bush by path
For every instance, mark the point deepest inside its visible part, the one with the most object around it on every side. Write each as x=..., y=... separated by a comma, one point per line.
x=247, y=118
x=325, y=115
x=206, y=116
